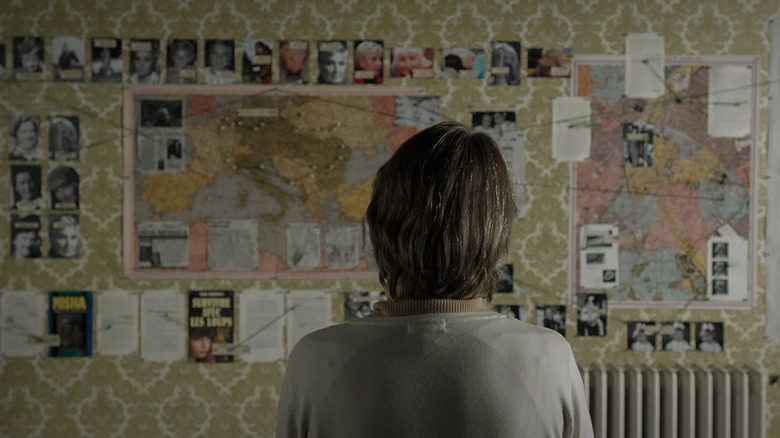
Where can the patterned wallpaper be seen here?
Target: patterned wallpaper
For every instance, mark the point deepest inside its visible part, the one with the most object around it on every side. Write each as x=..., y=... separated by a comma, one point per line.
x=123, y=396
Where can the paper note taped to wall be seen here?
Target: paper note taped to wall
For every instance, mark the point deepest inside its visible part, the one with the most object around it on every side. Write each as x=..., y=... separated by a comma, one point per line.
x=644, y=65
x=571, y=129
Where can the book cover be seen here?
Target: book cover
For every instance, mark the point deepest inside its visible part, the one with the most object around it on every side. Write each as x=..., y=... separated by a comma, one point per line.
x=211, y=326
x=70, y=320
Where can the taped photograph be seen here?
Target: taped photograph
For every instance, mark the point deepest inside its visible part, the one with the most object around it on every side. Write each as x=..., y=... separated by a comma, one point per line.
x=293, y=62
x=411, y=62
x=25, y=237
x=162, y=244
x=232, y=244
x=510, y=310
x=676, y=336
x=26, y=187
x=64, y=188
x=24, y=139
x=369, y=62
x=332, y=60
x=68, y=58
x=220, y=62
x=64, y=138
x=256, y=61
x=506, y=278
x=553, y=62
x=144, y=61
x=591, y=314
x=709, y=337
x=64, y=236
x=552, y=317
x=505, y=63
x=182, y=62
x=418, y=111
x=641, y=335
x=303, y=246
x=28, y=59
x=359, y=304
x=107, y=63
x=342, y=246
x=463, y=63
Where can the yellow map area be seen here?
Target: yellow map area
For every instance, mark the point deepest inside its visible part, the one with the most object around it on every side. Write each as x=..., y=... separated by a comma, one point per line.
x=307, y=146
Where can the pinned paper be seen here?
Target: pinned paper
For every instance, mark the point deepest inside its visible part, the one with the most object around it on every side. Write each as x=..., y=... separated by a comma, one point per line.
x=571, y=129
x=644, y=65
x=599, y=256
x=728, y=107
x=727, y=268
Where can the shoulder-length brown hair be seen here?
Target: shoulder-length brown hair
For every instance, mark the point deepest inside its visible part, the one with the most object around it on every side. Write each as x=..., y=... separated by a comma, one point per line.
x=441, y=215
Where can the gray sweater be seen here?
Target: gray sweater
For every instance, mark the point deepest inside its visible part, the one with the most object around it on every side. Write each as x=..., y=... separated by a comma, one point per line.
x=433, y=368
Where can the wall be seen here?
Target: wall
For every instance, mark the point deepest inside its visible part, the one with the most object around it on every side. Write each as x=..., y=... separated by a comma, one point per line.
x=122, y=396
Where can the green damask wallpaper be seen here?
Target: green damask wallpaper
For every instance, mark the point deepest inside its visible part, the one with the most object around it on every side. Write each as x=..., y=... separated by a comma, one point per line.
x=123, y=396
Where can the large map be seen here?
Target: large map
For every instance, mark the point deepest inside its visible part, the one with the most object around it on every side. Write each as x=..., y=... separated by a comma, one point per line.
x=291, y=172
x=663, y=183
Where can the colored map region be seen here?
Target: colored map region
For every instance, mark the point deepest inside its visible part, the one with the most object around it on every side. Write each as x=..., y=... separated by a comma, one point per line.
x=657, y=175
x=279, y=159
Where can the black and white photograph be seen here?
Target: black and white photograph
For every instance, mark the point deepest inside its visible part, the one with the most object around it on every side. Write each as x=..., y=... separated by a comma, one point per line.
x=369, y=62
x=720, y=250
x=720, y=286
x=359, y=304
x=26, y=187
x=64, y=188
x=182, y=62
x=595, y=258
x=160, y=150
x=144, y=61
x=161, y=113
x=68, y=58
x=220, y=62
x=162, y=244
x=553, y=317
x=332, y=61
x=293, y=62
x=720, y=268
x=638, y=144
x=64, y=137
x=551, y=62
x=411, y=62
x=505, y=63
x=510, y=310
x=506, y=278
x=641, y=335
x=303, y=246
x=608, y=276
x=107, y=63
x=417, y=111
x=24, y=139
x=342, y=247
x=591, y=314
x=64, y=236
x=676, y=336
x=499, y=125
x=709, y=337
x=256, y=61
x=28, y=58
x=25, y=237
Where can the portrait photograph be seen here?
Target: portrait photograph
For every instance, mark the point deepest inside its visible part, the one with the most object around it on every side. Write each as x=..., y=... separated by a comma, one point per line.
x=638, y=144
x=369, y=62
x=24, y=138
x=676, y=336
x=505, y=63
x=256, y=61
x=411, y=62
x=64, y=138
x=510, y=310
x=332, y=61
x=107, y=63
x=25, y=237
x=293, y=62
x=463, y=63
x=28, y=58
x=220, y=62
x=64, y=236
x=161, y=113
x=552, y=62
x=64, y=188
x=552, y=317
x=144, y=61
x=709, y=337
x=25, y=187
x=68, y=58
x=641, y=335
x=591, y=314
x=181, y=62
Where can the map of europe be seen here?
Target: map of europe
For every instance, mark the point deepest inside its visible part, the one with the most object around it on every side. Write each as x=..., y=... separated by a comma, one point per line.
x=279, y=159
x=656, y=174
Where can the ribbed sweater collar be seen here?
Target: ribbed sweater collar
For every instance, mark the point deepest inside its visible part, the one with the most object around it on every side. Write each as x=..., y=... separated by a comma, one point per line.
x=427, y=306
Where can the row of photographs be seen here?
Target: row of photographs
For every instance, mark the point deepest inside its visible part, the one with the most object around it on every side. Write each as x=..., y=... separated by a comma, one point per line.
x=25, y=142
x=591, y=321
x=228, y=61
x=27, y=190
x=207, y=326
x=28, y=236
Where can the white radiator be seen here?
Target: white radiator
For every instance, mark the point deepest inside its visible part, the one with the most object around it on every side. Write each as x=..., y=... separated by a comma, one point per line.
x=676, y=402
